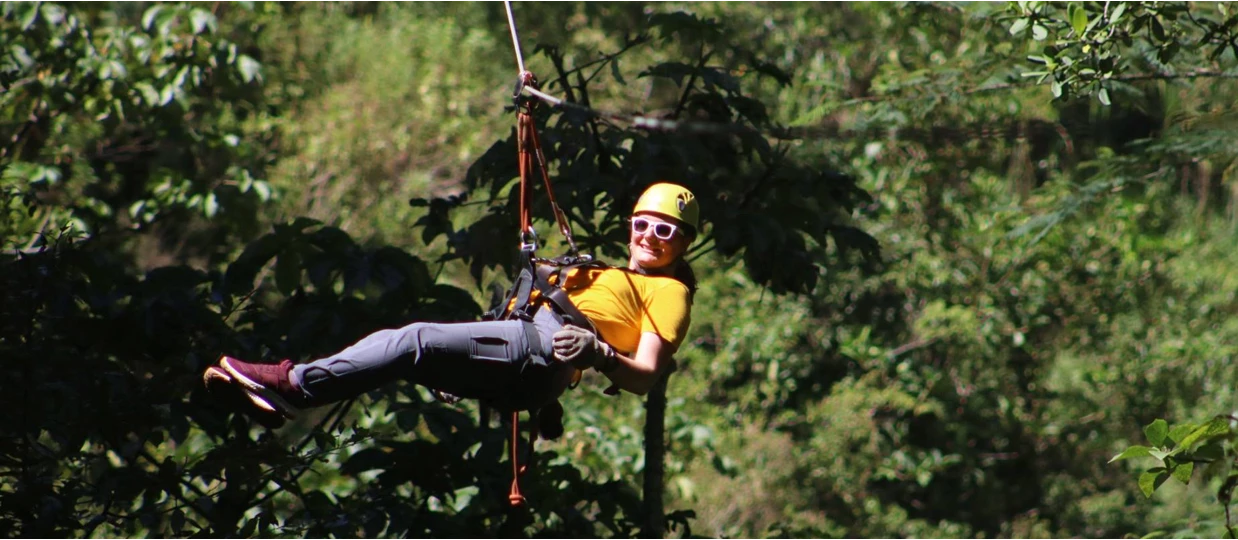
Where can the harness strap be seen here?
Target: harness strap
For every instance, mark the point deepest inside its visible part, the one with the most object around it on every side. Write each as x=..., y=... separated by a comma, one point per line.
x=558, y=298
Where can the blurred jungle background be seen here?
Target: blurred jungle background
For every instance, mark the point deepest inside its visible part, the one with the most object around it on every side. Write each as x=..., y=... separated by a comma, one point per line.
x=956, y=258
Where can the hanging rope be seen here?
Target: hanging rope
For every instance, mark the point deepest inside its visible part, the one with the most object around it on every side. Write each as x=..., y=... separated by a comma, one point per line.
x=530, y=156
x=530, y=152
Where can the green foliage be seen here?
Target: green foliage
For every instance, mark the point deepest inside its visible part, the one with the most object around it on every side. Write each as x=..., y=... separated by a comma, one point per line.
x=1181, y=448
x=934, y=302
x=121, y=118
x=1091, y=47
x=390, y=113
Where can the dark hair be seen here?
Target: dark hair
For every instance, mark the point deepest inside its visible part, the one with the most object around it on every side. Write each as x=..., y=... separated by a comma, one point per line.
x=685, y=274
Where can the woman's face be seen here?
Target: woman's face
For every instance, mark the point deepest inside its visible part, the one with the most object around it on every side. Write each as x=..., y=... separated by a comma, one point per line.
x=655, y=242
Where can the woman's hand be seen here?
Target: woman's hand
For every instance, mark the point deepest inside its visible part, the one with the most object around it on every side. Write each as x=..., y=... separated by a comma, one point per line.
x=583, y=349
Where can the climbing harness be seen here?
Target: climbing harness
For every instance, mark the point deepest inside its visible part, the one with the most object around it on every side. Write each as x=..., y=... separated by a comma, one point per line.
x=545, y=276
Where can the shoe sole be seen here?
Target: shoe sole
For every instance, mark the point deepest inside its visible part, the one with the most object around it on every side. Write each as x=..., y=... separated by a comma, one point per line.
x=219, y=382
x=260, y=395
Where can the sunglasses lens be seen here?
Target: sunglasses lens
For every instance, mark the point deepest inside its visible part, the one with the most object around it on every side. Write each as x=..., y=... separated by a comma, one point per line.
x=662, y=231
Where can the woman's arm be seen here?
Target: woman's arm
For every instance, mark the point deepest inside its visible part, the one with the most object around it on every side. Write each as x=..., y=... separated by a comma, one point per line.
x=639, y=372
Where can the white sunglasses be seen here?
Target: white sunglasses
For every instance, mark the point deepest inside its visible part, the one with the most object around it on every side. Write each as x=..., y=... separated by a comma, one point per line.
x=662, y=231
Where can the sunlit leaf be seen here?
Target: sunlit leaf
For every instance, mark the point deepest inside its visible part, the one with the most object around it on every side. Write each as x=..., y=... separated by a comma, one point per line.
x=1018, y=26
x=148, y=18
x=1216, y=427
x=1078, y=18
x=248, y=68
x=1118, y=10
x=1152, y=479
x=1132, y=452
x=1182, y=472
x=30, y=16
x=149, y=94
x=201, y=20
x=1156, y=432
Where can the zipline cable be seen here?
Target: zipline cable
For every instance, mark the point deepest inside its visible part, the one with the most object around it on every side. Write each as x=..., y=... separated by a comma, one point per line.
x=511, y=24
x=639, y=122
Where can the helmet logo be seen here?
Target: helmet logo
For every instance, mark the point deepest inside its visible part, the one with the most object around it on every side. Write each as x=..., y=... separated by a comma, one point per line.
x=681, y=201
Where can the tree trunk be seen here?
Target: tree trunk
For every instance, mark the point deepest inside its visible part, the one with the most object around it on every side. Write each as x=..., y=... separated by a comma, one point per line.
x=655, y=452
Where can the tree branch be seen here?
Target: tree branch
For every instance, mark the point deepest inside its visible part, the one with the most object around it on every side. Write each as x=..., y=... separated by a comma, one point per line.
x=895, y=96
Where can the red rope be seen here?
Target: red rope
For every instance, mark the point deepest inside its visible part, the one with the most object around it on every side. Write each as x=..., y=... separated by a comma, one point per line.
x=515, y=497
x=524, y=127
x=529, y=146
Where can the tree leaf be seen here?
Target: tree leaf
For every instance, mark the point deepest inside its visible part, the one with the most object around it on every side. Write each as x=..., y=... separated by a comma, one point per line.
x=148, y=18
x=1018, y=26
x=1180, y=431
x=614, y=72
x=1039, y=33
x=52, y=13
x=117, y=69
x=1103, y=96
x=1158, y=30
x=1216, y=427
x=1158, y=429
x=201, y=20
x=1182, y=472
x=1078, y=19
x=163, y=22
x=149, y=94
x=1132, y=452
x=1151, y=479
x=31, y=15
x=241, y=273
x=1117, y=12
x=211, y=205
x=263, y=190
x=248, y=67
x=1212, y=451
x=288, y=271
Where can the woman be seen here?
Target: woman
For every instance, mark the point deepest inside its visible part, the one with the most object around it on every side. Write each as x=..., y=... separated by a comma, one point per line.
x=640, y=313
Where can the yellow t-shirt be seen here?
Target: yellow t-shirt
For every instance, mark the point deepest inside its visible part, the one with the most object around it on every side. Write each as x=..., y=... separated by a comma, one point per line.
x=622, y=304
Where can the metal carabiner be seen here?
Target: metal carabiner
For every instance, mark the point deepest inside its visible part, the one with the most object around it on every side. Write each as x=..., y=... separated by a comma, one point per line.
x=528, y=240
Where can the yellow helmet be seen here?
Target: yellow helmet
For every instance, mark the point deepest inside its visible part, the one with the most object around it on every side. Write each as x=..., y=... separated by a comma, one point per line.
x=672, y=201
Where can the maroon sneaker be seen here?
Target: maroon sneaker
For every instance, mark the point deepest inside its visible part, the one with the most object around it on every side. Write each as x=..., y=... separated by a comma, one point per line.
x=268, y=385
x=220, y=384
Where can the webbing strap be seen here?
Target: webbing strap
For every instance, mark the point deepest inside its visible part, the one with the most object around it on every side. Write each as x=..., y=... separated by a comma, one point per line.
x=558, y=298
x=529, y=146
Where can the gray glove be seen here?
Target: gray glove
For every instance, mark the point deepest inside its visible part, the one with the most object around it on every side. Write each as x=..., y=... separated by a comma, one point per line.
x=583, y=349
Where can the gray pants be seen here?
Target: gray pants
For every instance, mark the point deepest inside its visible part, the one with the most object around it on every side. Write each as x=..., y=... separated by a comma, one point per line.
x=507, y=363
